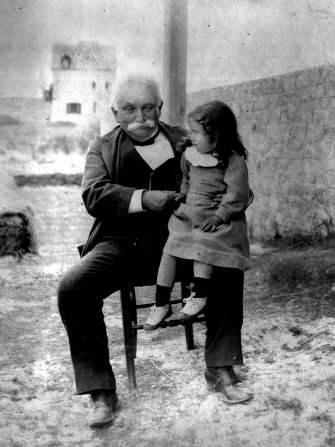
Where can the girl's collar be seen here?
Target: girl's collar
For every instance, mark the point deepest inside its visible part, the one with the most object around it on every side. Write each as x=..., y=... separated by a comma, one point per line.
x=197, y=159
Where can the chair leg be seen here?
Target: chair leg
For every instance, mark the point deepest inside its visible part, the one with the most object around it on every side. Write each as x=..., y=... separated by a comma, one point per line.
x=188, y=327
x=133, y=309
x=189, y=336
x=128, y=304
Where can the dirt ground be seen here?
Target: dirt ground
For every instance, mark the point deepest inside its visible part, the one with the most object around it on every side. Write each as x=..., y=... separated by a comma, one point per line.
x=289, y=364
x=288, y=340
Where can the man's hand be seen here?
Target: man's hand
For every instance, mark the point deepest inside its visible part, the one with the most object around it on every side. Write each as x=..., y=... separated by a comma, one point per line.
x=210, y=224
x=160, y=200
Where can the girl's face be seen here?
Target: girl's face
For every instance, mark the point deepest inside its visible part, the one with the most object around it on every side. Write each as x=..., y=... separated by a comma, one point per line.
x=199, y=138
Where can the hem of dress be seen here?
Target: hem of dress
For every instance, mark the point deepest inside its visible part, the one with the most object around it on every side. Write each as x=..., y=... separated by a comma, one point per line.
x=199, y=253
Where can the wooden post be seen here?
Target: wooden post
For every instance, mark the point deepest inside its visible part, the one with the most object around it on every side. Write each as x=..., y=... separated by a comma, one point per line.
x=175, y=62
x=128, y=305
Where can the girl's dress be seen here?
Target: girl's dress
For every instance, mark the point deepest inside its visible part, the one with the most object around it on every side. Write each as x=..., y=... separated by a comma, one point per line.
x=212, y=188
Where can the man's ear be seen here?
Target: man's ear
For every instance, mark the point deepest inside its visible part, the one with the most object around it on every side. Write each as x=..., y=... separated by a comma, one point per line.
x=160, y=109
x=115, y=113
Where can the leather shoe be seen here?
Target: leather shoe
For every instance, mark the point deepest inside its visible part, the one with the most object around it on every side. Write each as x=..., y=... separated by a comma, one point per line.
x=225, y=382
x=104, y=403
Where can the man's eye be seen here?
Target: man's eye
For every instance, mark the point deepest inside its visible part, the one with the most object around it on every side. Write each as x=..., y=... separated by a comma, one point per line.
x=148, y=108
x=128, y=109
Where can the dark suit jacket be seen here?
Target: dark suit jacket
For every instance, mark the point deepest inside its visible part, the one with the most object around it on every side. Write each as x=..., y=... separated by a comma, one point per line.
x=101, y=192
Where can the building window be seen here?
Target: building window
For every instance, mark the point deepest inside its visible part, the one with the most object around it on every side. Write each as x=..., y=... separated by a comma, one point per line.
x=66, y=62
x=47, y=94
x=94, y=84
x=94, y=107
x=73, y=107
x=106, y=85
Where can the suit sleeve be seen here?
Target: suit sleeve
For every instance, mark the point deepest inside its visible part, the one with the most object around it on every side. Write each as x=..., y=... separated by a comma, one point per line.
x=102, y=198
x=238, y=195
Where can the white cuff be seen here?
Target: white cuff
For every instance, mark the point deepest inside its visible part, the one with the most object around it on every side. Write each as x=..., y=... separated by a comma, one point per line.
x=135, y=205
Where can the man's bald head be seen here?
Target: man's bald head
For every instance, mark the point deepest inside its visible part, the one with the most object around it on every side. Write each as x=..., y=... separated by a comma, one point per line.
x=137, y=106
x=136, y=82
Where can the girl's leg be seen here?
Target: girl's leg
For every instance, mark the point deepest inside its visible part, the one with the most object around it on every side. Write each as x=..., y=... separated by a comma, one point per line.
x=202, y=275
x=202, y=270
x=165, y=281
x=167, y=270
x=196, y=303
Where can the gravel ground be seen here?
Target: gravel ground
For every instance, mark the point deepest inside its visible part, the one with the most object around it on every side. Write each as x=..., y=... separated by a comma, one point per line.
x=289, y=364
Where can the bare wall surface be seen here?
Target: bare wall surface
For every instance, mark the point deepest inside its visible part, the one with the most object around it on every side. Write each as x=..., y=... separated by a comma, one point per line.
x=287, y=124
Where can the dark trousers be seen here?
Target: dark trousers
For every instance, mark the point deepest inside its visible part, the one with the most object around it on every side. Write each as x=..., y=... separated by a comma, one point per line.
x=105, y=269
x=224, y=318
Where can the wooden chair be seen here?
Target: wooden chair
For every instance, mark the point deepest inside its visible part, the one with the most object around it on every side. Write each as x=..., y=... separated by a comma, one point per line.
x=130, y=326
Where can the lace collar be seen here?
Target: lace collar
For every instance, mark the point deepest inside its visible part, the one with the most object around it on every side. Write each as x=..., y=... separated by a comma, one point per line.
x=197, y=159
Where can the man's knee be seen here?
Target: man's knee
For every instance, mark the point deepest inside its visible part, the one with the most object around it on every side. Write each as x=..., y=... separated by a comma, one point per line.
x=80, y=288
x=63, y=285
x=65, y=292
x=76, y=281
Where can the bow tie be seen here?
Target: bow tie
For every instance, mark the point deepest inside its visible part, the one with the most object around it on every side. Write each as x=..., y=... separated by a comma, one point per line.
x=148, y=142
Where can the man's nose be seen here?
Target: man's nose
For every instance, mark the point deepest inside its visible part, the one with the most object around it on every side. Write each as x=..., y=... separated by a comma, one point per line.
x=139, y=116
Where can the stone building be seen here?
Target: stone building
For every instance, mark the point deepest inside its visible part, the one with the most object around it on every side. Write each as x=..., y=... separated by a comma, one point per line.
x=83, y=76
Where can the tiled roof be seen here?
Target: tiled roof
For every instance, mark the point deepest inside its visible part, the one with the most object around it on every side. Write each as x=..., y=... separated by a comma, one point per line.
x=85, y=56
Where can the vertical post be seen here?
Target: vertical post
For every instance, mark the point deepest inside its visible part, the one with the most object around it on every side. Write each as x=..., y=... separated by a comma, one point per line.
x=188, y=326
x=175, y=62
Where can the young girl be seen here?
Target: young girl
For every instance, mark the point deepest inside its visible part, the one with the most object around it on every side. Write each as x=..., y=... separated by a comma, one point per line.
x=210, y=227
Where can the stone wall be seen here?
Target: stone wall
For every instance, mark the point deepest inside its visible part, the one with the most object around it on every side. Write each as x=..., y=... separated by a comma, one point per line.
x=287, y=124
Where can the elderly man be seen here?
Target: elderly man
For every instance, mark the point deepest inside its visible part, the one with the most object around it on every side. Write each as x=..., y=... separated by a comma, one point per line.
x=130, y=186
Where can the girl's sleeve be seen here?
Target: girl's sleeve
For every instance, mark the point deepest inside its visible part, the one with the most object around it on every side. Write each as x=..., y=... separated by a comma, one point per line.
x=185, y=167
x=238, y=195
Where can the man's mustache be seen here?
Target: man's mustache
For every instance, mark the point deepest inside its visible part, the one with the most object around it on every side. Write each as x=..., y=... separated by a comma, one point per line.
x=147, y=124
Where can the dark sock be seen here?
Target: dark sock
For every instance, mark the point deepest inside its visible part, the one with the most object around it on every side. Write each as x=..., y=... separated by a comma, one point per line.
x=201, y=287
x=162, y=295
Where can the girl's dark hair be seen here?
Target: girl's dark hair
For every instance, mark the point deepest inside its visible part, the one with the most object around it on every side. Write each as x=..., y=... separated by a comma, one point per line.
x=219, y=123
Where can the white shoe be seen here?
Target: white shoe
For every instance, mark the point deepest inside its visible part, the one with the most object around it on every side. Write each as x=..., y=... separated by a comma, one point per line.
x=156, y=316
x=193, y=307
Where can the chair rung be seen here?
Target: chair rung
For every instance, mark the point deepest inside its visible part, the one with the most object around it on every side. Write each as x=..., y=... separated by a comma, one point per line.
x=172, y=323
x=143, y=306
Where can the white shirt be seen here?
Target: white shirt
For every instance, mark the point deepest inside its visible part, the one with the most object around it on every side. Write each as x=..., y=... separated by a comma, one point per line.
x=154, y=155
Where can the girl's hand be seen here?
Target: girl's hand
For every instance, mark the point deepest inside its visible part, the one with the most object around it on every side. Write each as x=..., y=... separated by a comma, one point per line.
x=210, y=224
